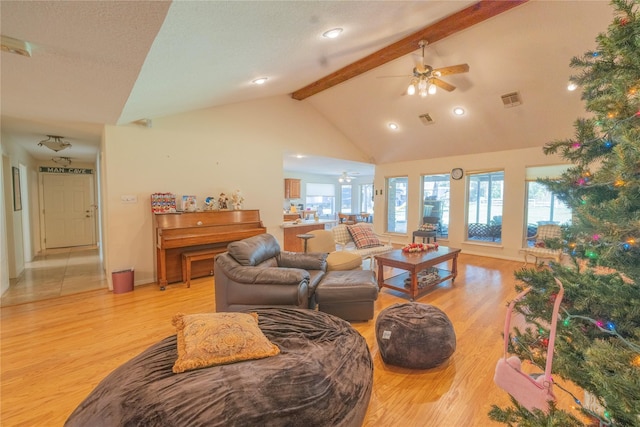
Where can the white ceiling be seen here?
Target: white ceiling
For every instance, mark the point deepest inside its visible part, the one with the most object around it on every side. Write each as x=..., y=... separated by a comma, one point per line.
x=103, y=62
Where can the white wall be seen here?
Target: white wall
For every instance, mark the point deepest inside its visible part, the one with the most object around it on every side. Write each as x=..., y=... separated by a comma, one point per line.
x=514, y=164
x=204, y=153
x=12, y=257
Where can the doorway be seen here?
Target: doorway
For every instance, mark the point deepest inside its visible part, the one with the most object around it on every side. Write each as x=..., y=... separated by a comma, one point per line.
x=69, y=210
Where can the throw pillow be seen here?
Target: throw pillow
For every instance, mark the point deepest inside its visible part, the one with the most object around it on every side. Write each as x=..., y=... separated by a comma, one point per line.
x=363, y=236
x=219, y=338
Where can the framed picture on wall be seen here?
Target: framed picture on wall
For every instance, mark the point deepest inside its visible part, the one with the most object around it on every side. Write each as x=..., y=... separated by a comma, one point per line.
x=17, y=195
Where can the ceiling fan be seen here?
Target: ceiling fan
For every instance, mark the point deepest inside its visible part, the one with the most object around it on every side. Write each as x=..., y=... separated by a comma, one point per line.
x=426, y=79
x=345, y=177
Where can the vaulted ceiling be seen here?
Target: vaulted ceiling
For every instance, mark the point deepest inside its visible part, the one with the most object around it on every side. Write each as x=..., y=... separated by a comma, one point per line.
x=99, y=62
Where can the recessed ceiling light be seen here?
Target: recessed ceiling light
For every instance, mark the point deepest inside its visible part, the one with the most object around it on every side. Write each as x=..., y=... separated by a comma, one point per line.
x=332, y=33
x=458, y=111
x=260, y=81
x=393, y=126
x=572, y=86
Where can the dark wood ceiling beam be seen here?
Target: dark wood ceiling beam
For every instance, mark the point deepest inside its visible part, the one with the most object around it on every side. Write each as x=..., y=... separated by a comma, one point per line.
x=452, y=24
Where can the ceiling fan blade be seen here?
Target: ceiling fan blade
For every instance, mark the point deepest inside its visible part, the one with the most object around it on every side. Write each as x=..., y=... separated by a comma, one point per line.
x=442, y=84
x=453, y=69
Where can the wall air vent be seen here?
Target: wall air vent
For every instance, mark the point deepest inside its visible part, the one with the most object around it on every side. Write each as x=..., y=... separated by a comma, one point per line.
x=511, y=99
x=426, y=119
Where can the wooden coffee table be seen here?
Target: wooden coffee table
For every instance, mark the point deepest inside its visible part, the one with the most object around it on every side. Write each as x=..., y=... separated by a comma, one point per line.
x=414, y=263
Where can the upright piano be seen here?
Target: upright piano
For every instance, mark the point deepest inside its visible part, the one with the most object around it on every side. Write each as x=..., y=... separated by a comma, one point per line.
x=176, y=233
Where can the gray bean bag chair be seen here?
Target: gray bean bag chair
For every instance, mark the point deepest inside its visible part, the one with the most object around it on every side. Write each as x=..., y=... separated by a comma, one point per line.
x=323, y=376
x=414, y=335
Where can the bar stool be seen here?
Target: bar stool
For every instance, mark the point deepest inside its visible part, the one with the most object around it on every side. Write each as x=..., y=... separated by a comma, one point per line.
x=305, y=237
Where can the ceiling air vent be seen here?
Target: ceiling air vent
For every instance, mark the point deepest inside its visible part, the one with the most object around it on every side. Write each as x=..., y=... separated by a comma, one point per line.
x=426, y=119
x=511, y=99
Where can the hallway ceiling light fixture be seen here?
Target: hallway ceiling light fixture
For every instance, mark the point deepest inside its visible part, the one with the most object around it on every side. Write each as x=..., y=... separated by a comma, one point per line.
x=63, y=161
x=55, y=143
x=345, y=178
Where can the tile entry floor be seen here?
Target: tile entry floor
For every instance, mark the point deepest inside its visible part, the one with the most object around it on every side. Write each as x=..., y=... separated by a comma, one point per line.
x=57, y=272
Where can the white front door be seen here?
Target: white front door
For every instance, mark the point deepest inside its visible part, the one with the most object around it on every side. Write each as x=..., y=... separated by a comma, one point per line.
x=69, y=210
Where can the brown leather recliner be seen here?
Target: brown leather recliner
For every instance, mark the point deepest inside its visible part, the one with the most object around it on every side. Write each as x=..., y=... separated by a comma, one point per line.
x=255, y=273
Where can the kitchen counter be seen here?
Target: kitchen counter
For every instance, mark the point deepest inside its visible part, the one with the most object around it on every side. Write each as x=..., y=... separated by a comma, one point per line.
x=292, y=242
x=290, y=224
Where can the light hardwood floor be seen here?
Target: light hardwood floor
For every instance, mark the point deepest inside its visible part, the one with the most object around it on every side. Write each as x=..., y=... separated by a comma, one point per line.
x=54, y=352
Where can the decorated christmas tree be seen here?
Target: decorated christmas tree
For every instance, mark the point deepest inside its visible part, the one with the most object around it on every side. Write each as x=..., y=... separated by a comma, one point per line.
x=597, y=346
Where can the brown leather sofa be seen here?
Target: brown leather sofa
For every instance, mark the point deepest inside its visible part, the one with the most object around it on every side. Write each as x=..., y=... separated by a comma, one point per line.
x=254, y=272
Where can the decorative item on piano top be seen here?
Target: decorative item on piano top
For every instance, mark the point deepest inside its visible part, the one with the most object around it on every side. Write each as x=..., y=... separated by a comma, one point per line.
x=210, y=203
x=189, y=203
x=163, y=203
x=236, y=200
x=419, y=247
x=223, y=202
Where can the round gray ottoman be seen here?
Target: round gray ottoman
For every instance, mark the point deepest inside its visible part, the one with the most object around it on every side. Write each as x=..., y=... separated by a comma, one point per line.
x=414, y=335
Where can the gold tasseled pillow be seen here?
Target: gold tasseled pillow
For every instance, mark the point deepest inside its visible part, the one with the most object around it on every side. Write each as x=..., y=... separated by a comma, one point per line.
x=219, y=338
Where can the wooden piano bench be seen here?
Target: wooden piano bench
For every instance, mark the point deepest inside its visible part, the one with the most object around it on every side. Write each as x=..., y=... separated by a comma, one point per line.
x=191, y=256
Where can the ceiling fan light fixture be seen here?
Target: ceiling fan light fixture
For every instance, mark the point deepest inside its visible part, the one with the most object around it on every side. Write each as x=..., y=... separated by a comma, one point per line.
x=344, y=178
x=411, y=90
x=19, y=47
x=426, y=80
x=55, y=143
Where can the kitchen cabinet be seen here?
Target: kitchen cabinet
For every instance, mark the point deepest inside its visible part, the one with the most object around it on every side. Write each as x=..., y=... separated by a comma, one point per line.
x=291, y=188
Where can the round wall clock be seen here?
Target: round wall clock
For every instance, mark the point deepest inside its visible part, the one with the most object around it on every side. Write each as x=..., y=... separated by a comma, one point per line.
x=456, y=173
